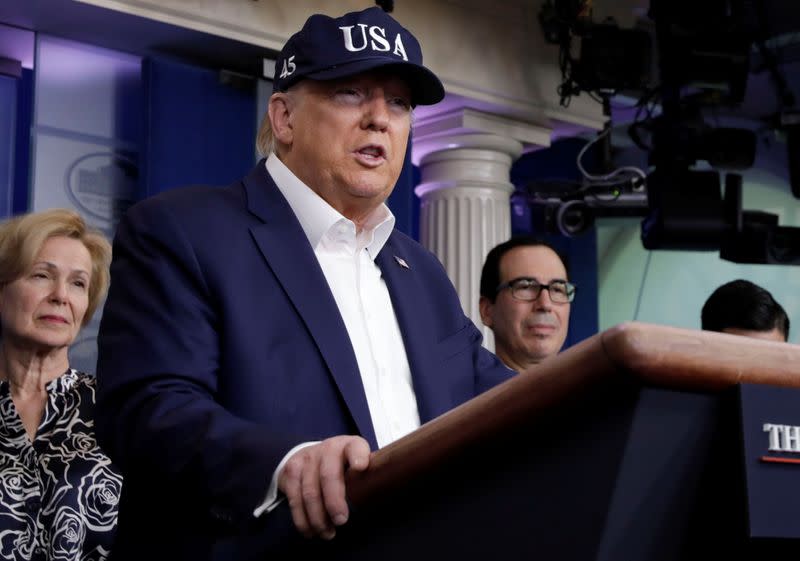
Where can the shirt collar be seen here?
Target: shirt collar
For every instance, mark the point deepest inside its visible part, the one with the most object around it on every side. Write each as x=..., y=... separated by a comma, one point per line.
x=317, y=217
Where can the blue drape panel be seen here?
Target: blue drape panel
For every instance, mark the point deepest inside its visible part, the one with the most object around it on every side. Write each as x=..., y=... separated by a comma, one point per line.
x=197, y=129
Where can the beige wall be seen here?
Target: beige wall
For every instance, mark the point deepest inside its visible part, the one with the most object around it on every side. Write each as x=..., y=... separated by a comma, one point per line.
x=489, y=54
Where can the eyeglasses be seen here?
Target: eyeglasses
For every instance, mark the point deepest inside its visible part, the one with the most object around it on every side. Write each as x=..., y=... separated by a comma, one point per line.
x=528, y=290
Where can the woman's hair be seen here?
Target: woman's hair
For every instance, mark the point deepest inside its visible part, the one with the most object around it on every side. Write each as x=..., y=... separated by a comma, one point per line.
x=22, y=237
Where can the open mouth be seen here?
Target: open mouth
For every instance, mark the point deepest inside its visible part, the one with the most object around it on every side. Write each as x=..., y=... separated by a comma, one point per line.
x=373, y=151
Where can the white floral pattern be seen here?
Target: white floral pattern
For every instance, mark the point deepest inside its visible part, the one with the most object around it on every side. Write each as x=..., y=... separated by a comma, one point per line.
x=59, y=494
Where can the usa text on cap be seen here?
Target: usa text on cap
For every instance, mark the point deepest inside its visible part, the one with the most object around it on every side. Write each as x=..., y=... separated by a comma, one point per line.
x=327, y=48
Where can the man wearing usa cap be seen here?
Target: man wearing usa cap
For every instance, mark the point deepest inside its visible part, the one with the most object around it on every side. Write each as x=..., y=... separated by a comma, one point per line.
x=258, y=339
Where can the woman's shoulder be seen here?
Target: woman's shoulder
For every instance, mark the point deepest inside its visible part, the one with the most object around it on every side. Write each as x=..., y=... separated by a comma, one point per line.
x=77, y=382
x=77, y=378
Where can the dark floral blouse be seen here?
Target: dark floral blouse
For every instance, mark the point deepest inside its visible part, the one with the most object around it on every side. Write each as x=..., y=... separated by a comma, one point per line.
x=58, y=494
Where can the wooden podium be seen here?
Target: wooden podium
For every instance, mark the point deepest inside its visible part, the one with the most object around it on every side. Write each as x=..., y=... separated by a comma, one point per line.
x=626, y=447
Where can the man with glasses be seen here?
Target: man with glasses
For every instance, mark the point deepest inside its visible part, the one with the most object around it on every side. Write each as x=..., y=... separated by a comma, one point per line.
x=525, y=300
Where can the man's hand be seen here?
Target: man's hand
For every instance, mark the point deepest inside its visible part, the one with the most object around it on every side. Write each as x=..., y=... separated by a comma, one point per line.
x=313, y=482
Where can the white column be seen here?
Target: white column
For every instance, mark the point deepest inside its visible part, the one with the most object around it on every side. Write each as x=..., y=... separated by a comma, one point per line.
x=465, y=210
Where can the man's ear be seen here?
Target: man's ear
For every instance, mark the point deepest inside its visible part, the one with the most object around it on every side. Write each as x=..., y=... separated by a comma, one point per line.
x=486, y=307
x=280, y=110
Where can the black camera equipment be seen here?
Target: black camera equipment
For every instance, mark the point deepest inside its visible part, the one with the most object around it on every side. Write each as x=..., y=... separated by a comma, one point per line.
x=704, y=55
x=704, y=52
x=610, y=58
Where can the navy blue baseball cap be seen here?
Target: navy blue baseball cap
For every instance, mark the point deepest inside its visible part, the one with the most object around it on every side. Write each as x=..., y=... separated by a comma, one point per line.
x=328, y=48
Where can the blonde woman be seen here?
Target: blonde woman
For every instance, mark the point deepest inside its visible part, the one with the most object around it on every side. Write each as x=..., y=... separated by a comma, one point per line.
x=58, y=489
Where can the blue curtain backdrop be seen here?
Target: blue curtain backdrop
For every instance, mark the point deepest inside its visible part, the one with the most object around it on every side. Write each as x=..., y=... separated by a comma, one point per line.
x=8, y=109
x=16, y=112
x=198, y=129
x=22, y=153
x=403, y=203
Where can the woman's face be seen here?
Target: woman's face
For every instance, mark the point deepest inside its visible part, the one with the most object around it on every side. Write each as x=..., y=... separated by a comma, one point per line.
x=44, y=308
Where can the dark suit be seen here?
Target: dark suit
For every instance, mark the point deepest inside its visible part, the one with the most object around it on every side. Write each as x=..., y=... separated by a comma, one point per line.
x=221, y=347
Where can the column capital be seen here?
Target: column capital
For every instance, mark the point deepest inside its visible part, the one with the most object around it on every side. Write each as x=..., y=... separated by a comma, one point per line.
x=465, y=127
x=477, y=164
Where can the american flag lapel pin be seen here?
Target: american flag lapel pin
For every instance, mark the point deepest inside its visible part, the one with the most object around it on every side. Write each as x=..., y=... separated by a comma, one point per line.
x=401, y=262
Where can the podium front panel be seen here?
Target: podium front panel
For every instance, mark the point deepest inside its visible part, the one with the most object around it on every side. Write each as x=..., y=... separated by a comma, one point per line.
x=770, y=418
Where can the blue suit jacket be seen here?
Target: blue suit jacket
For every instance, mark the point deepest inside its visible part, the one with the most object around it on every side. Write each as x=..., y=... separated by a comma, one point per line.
x=221, y=347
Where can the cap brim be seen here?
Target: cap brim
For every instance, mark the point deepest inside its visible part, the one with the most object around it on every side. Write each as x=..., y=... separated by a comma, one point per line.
x=426, y=88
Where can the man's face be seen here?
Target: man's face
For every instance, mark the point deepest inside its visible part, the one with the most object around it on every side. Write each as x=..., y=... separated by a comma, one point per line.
x=773, y=335
x=346, y=139
x=527, y=332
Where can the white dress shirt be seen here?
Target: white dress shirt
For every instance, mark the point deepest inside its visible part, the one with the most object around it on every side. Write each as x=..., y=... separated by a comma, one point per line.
x=347, y=258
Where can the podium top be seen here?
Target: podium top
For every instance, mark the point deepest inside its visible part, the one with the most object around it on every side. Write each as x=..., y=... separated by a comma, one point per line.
x=655, y=355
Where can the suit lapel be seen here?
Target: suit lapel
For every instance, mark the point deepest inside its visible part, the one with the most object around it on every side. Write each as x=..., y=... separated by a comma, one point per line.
x=405, y=287
x=285, y=247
